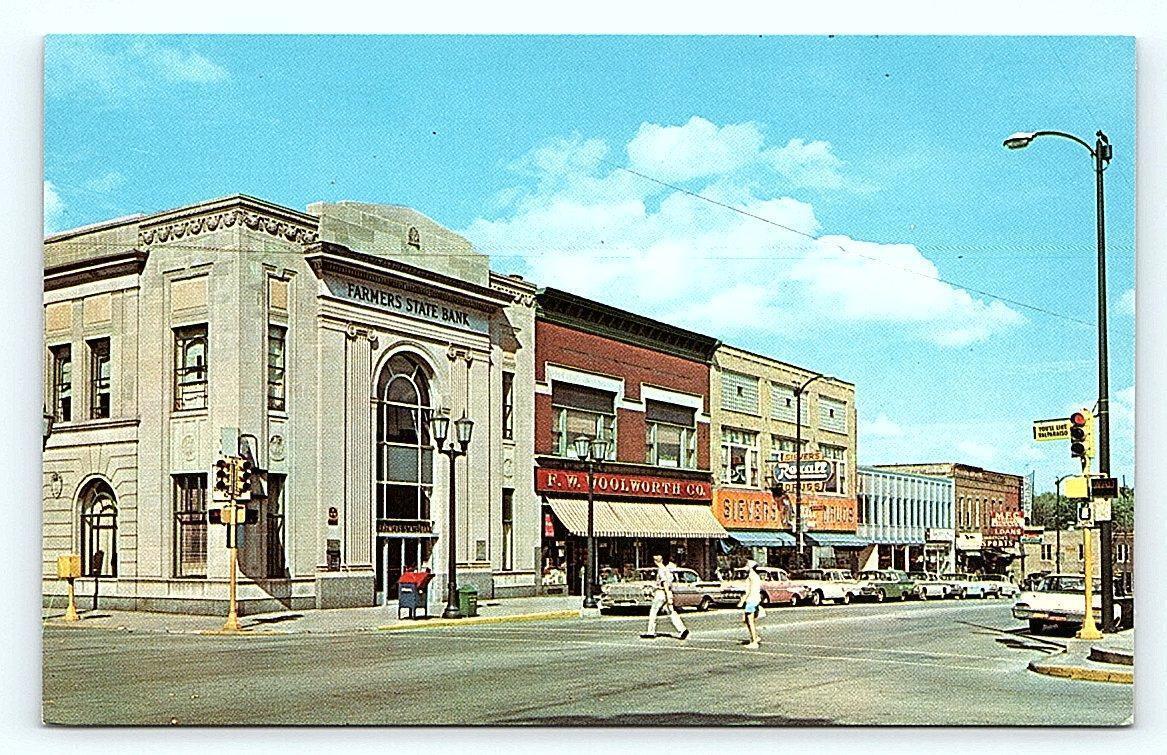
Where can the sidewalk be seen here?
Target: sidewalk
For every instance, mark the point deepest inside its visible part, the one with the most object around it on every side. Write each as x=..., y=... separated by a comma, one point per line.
x=330, y=621
x=1110, y=659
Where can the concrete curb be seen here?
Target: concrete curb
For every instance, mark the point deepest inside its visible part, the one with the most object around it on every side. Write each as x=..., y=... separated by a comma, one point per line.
x=1110, y=655
x=1082, y=673
x=424, y=624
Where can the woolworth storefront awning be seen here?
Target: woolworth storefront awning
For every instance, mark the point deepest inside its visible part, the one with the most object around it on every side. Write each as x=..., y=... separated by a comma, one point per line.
x=622, y=519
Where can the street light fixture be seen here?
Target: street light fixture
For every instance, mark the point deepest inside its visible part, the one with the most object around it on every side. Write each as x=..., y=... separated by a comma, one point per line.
x=798, y=528
x=464, y=428
x=1102, y=153
x=47, y=420
x=592, y=452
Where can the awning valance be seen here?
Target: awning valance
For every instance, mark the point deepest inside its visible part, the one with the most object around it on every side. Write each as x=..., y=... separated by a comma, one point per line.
x=623, y=519
x=836, y=539
x=759, y=539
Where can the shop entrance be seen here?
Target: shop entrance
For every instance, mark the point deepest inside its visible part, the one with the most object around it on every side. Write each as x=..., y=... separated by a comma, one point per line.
x=395, y=556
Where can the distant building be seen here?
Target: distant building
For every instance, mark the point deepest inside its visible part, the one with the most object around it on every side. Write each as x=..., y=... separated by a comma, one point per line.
x=908, y=518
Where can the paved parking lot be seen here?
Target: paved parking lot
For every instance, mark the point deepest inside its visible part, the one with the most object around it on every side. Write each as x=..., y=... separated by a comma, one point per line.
x=938, y=663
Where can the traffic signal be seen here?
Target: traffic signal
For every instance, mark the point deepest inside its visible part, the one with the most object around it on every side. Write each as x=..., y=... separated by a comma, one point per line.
x=223, y=478
x=246, y=478
x=1082, y=436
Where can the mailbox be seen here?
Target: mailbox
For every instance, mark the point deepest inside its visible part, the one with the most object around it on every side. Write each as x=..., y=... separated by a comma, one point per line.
x=412, y=592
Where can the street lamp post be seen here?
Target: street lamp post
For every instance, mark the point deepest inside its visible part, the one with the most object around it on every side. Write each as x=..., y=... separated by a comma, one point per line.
x=1058, y=523
x=590, y=451
x=440, y=427
x=1102, y=153
x=798, y=391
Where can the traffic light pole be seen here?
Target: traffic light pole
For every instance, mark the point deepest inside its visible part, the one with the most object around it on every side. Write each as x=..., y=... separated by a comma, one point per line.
x=1102, y=155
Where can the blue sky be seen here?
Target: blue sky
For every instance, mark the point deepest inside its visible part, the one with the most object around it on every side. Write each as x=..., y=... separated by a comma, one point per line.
x=883, y=154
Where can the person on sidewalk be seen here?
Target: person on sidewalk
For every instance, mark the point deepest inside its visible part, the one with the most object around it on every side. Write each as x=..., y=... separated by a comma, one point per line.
x=662, y=597
x=752, y=601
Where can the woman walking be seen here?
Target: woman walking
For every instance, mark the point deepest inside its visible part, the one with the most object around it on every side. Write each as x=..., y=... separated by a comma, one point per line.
x=752, y=601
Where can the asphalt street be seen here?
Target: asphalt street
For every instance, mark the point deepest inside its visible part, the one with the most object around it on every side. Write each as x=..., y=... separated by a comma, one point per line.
x=910, y=663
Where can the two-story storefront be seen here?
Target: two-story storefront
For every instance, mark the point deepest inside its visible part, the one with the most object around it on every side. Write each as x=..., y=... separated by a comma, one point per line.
x=640, y=387
x=754, y=434
x=908, y=520
x=321, y=343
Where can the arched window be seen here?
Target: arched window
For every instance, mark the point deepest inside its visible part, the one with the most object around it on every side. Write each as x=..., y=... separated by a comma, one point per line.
x=405, y=465
x=99, y=530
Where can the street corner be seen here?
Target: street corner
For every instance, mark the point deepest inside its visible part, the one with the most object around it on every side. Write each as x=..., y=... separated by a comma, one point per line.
x=1078, y=663
x=476, y=620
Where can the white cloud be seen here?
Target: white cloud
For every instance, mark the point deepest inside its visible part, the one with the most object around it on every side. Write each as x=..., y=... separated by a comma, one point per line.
x=974, y=452
x=114, y=69
x=1126, y=302
x=585, y=226
x=54, y=208
x=106, y=183
x=881, y=427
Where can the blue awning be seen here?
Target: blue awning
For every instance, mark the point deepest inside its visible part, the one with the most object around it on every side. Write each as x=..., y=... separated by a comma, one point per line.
x=757, y=539
x=836, y=539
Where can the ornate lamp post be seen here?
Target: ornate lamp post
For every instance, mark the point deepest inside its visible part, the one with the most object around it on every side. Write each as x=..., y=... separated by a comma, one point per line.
x=1101, y=153
x=592, y=452
x=440, y=427
x=798, y=391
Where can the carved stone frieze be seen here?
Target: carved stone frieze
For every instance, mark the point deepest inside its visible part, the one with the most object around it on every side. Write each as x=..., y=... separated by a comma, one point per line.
x=227, y=219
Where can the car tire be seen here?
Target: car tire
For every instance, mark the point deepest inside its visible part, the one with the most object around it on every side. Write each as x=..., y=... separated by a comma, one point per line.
x=922, y=593
x=816, y=598
x=705, y=604
x=1036, y=625
x=904, y=596
x=880, y=596
x=846, y=599
x=794, y=601
x=959, y=595
x=766, y=600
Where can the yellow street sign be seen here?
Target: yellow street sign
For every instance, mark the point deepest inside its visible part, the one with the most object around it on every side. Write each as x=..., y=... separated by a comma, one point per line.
x=1051, y=429
x=1076, y=487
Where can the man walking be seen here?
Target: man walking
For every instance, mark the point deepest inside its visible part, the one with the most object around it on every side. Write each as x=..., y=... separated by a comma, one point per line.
x=662, y=597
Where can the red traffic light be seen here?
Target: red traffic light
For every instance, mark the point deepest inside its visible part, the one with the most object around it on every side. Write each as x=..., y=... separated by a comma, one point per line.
x=1078, y=419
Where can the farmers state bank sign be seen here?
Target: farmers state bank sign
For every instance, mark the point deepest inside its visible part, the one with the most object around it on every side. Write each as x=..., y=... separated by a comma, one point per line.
x=406, y=303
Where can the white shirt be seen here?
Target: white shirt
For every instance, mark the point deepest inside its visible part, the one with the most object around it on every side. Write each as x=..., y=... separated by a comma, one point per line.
x=664, y=578
x=753, y=586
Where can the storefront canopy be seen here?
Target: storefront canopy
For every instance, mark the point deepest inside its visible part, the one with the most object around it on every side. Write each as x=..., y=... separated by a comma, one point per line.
x=622, y=519
x=836, y=539
x=756, y=539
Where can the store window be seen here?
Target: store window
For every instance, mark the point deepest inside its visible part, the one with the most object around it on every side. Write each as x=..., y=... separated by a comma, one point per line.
x=578, y=410
x=1122, y=550
x=190, y=525
x=273, y=534
x=1081, y=552
x=99, y=379
x=739, y=457
x=508, y=529
x=837, y=455
x=190, y=367
x=1047, y=552
x=63, y=382
x=276, y=363
x=670, y=435
x=508, y=405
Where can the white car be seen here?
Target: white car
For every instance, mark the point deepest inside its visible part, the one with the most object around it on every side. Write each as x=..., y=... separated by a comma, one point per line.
x=963, y=585
x=930, y=585
x=1001, y=586
x=836, y=585
x=1059, y=599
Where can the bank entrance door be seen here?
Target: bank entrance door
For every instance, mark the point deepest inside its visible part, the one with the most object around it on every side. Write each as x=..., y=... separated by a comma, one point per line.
x=396, y=555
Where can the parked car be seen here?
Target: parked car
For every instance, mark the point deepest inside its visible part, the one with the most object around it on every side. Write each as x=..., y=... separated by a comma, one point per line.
x=689, y=591
x=777, y=587
x=827, y=584
x=930, y=585
x=882, y=584
x=966, y=585
x=1002, y=586
x=1060, y=599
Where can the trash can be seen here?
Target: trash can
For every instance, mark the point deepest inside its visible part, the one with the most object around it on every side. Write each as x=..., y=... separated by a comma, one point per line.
x=468, y=600
x=411, y=592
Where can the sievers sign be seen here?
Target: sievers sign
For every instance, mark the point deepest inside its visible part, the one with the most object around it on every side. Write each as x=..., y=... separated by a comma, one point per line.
x=750, y=509
x=406, y=303
x=624, y=485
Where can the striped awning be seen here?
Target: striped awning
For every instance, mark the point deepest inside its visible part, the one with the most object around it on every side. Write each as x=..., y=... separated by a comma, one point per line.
x=760, y=539
x=837, y=539
x=623, y=519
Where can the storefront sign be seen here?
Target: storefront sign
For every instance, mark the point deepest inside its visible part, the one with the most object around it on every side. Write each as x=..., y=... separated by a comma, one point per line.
x=969, y=541
x=408, y=304
x=828, y=513
x=939, y=534
x=404, y=527
x=813, y=470
x=1005, y=525
x=623, y=485
x=749, y=509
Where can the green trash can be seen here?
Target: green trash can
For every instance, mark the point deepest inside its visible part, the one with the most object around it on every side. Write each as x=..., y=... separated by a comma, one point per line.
x=468, y=600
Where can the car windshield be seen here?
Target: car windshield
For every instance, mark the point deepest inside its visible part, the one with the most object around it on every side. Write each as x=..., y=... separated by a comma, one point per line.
x=1066, y=583
x=918, y=575
x=870, y=575
x=809, y=574
x=951, y=575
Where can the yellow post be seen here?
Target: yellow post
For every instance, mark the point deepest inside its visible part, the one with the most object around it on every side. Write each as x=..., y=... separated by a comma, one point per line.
x=71, y=611
x=1089, y=630
x=232, y=624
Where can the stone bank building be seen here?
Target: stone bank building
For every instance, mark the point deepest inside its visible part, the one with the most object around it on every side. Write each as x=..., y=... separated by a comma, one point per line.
x=323, y=341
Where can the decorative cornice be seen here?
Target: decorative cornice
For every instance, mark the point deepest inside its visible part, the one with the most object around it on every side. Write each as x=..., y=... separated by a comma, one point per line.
x=130, y=262
x=283, y=228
